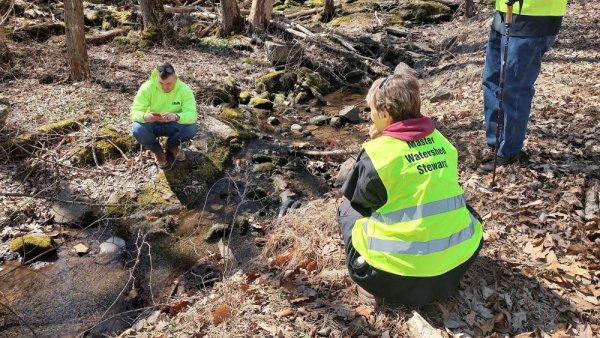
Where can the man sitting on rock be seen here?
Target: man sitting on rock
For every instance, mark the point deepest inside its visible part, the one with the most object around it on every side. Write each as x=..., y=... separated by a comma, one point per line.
x=408, y=234
x=164, y=106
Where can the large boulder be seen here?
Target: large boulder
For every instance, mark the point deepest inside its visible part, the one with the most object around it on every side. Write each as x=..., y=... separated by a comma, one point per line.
x=269, y=82
x=279, y=53
x=425, y=11
x=64, y=211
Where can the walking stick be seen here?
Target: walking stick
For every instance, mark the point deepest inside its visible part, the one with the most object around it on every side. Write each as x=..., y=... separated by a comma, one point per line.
x=500, y=115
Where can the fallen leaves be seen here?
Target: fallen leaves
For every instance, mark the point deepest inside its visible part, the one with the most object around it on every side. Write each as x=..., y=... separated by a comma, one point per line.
x=221, y=314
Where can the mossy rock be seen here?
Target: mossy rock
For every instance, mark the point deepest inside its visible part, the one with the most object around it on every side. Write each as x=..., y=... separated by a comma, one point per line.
x=425, y=12
x=314, y=80
x=245, y=97
x=257, y=102
x=64, y=126
x=122, y=203
x=117, y=18
x=353, y=19
x=30, y=246
x=184, y=183
x=279, y=99
x=226, y=93
x=106, y=148
x=232, y=114
x=269, y=82
x=237, y=42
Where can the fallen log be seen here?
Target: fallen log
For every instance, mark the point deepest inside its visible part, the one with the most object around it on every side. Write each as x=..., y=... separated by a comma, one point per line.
x=103, y=38
x=397, y=31
x=309, y=12
x=207, y=30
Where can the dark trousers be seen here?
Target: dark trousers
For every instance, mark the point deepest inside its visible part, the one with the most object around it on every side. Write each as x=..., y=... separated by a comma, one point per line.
x=392, y=288
x=147, y=133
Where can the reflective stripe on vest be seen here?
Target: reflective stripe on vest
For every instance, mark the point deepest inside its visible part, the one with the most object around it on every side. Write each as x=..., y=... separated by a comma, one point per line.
x=421, y=248
x=421, y=211
x=536, y=7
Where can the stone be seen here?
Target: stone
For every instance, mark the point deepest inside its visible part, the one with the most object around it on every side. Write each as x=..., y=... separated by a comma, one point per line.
x=336, y=122
x=288, y=195
x=260, y=103
x=441, y=95
x=69, y=213
x=273, y=121
x=217, y=231
x=245, y=97
x=351, y=114
x=242, y=223
x=81, y=249
x=113, y=245
x=32, y=245
x=279, y=183
x=263, y=168
x=423, y=47
x=324, y=332
x=302, y=97
x=296, y=128
x=344, y=171
x=319, y=120
x=402, y=68
x=425, y=11
x=420, y=328
x=219, y=130
x=279, y=53
x=269, y=82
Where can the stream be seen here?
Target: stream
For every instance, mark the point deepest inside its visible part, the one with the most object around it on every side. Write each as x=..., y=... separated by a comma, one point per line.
x=65, y=295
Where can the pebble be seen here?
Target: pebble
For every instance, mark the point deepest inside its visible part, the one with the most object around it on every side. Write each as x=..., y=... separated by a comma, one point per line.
x=296, y=127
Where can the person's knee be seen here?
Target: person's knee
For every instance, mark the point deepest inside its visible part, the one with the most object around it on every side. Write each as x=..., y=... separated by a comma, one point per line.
x=141, y=131
x=187, y=131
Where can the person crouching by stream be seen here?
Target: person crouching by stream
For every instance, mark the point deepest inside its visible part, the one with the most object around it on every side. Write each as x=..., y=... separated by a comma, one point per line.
x=409, y=237
x=164, y=106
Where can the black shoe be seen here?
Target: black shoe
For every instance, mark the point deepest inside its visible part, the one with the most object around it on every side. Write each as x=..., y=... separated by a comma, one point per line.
x=487, y=166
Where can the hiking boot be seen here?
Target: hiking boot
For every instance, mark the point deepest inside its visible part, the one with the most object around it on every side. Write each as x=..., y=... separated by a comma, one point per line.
x=177, y=153
x=487, y=166
x=161, y=159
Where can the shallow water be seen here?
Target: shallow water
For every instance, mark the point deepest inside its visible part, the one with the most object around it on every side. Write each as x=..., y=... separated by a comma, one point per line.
x=72, y=293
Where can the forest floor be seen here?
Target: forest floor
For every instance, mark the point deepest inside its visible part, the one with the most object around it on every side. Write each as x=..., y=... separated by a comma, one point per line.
x=538, y=273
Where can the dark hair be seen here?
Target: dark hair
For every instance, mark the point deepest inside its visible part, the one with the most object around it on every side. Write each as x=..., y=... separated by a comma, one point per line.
x=398, y=95
x=165, y=70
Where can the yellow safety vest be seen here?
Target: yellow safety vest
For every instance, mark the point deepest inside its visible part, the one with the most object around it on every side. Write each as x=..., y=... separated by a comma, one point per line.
x=536, y=7
x=424, y=229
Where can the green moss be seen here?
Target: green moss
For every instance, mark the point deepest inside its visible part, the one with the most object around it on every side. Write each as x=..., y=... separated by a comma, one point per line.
x=31, y=245
x=232, y=114
x=64, y=126
x=245, y=97
x=108, y=139
x=123, y=205
x=238, y=42
x=314, y=80
x=315, y=3
x=279, y=99
x=425, y=11
x=257, y=102
x=352, y=19
x=152, y=196
x=255, y=62
x=269, y=82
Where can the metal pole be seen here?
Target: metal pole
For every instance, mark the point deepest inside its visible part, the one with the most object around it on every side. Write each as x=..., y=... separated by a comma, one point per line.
x=500, y=115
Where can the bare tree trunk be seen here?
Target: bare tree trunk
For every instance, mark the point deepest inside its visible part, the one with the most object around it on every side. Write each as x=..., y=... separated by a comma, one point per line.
x=328, y=11
x=156, y=25
x=261, y=13
x=232, y=20
x=76, y=48
x=469, y=8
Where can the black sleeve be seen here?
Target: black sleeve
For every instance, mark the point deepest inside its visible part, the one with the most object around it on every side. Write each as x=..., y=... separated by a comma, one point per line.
x=364, y=188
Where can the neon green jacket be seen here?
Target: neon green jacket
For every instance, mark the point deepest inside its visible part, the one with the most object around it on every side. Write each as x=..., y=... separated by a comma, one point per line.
x=151, y=99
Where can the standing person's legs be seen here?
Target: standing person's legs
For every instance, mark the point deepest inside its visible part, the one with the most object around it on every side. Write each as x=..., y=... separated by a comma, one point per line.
x=523, y=67
x=145, y=134
x=490, y=82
